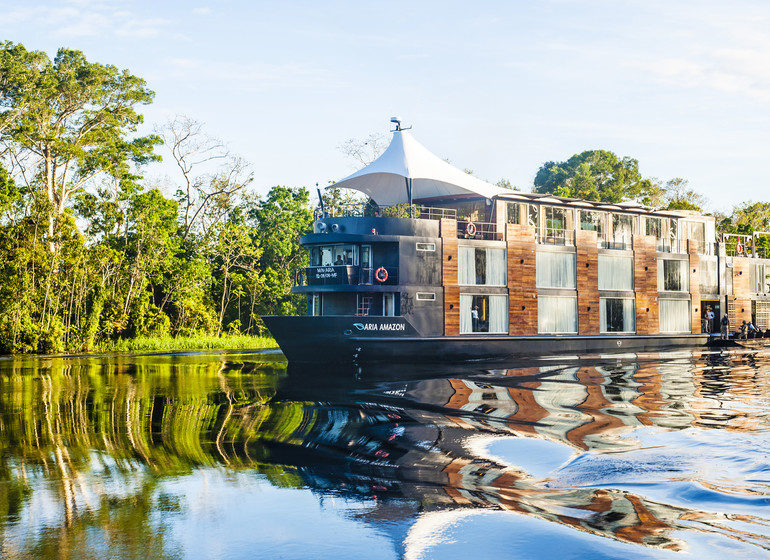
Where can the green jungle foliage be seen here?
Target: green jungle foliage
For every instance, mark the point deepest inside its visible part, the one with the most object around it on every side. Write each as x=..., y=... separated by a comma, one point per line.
x=92, y=255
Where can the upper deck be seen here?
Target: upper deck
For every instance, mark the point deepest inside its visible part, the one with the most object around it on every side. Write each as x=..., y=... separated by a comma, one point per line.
x=554, y=221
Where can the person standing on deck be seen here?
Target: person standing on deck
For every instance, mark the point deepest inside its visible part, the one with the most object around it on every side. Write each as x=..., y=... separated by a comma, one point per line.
x=725, y=327
x=709, y=319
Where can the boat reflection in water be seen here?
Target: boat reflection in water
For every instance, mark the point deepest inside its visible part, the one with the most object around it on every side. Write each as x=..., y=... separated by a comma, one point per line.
x=663, y=452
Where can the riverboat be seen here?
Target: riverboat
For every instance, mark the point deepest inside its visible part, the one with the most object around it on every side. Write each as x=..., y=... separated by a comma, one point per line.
x=446, y=267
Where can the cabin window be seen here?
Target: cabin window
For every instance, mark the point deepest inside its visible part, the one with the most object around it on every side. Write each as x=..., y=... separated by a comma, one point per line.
x=592, y=221
x=426, y=296
x=708, y=275
x=513, y=212
x=314, y=305
x=555, y=270
x=622, y=230
x=555, y=219
x=557, y=314
x=426, y=246
x=617, y=315
x=759, y=278
x=654, y=228
x=533, y=215
x=483, y=314
x=616, y=273
x=473, y=211
x=389, y=302
x=481, y=266
x=696, y=231
x=333, y=255
x=672, y=275
x=674, y=315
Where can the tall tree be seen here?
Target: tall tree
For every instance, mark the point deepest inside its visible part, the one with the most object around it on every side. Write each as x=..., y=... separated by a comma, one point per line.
x=63, y=122
x=212, y=177
x=592, y=175
x=280, y=219
x=680, y=196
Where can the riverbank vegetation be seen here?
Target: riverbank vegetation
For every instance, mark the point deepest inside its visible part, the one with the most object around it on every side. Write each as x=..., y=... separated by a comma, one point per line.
x=95, y=256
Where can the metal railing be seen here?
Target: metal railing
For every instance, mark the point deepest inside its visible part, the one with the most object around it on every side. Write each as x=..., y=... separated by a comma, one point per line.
x=556, y=236
x=478, y=230
x=345, y=275
x=738, y=245
x=361, y=209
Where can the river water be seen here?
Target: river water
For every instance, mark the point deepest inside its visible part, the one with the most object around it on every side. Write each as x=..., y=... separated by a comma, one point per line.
x=237, y=455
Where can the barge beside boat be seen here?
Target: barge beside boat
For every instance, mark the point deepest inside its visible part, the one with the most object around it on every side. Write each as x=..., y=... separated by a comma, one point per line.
x=469, y=271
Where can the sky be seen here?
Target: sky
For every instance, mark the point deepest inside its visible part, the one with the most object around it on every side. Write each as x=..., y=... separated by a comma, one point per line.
x=499, y=88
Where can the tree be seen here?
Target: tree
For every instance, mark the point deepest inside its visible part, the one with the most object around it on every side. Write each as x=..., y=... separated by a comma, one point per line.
x=279, y=220
x=592, y=175
x=367, y=150
x=680, y=197
x=212, y=177
x=66, y=121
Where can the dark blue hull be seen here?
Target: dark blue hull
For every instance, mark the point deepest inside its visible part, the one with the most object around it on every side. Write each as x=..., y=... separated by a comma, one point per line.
x=360, y=340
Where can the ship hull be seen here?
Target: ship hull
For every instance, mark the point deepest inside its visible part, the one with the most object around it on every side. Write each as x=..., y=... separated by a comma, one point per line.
x=342, y=339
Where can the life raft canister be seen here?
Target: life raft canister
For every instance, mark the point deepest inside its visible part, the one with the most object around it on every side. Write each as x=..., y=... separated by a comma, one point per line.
x=470, y=229
x=381, y=274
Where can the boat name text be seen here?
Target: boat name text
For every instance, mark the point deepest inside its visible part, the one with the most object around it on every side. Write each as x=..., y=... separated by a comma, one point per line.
x=380, y=326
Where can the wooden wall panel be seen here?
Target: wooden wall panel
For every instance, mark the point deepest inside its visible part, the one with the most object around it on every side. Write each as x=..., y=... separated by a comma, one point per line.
x=587, y=282
x=451, y=310
x=646, y=284
x=697, y=312
x=449, y=259
x=741, y=292
x=522, y=288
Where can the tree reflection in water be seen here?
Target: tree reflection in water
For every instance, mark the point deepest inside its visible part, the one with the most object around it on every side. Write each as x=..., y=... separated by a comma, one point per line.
x=88, y=442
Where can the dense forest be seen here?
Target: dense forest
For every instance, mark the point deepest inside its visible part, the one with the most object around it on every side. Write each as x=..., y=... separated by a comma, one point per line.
x=91, y=251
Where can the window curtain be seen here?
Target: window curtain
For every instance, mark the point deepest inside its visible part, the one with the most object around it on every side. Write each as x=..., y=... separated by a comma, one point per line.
x=556, y=314
x=674, y=315
x=492, y=261
x=467, y=266
x=617, y=315
x=616, y=273
x=708, y=276
x=622, y=229
x=498, y=314
x=672, y=276
x=466, y=323
x=555, y=270
x=496, y=267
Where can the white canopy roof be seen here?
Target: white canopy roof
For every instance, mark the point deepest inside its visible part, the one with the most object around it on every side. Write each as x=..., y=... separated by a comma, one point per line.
x=385, y=179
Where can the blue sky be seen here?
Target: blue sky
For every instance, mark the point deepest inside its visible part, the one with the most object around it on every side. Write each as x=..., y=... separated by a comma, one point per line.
x=496, y=87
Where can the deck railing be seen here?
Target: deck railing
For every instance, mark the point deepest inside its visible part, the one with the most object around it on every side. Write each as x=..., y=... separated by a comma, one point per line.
x=556, y=236
x=346, y=275
x=360, y=209
x=467, y=229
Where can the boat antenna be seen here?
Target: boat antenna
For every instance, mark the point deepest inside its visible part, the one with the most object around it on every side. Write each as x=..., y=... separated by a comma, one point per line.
x=397, y=122
x=320, y=199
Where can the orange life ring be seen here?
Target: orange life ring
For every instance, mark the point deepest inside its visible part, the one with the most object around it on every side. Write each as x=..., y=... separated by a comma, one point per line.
x=739, y=248
x=381, y=274
x=470, y=229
